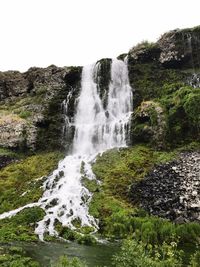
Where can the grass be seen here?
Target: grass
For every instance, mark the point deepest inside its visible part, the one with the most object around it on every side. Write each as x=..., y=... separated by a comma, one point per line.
x=117, y=169
x=19, y=184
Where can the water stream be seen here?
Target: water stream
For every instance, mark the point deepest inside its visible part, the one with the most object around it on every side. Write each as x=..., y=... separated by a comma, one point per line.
x=47, y=254
x=97, y=129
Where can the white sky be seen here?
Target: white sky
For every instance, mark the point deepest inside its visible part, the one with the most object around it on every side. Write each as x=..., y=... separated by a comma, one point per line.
x=79, y=32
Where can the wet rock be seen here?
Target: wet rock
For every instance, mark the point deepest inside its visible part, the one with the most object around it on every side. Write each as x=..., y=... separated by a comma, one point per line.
x=52, y=203
x=61, y=173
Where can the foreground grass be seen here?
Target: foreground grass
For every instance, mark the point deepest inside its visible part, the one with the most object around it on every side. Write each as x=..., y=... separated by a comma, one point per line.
x=15, y=257
x=117, y=170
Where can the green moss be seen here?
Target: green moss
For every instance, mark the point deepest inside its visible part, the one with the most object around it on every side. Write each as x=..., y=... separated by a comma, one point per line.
x=8, y=152
x=117, y=170
x=182, y=111
x=19, y=184
x=23, y=105
x=82, y=235
x=21, y=226
x=149, y=79
x=92, y=185
x=25, y=114
x=86, y=239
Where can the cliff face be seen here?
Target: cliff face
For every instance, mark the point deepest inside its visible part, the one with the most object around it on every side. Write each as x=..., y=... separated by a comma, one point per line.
x=31, y=106
x=166, y=73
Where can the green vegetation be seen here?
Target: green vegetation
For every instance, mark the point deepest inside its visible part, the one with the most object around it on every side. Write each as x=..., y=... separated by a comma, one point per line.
x=82, y=235
x=149, y=79
x=137, y=254
x=8, y=152
x=145, y=44
x=117, y=170
x=21, y=226
x=15, y=257
x=64, y=261
x=25, y=114
x=151, y=239
x=195, y=259
x=24, y=107
x=20, y=183
x=182, y=109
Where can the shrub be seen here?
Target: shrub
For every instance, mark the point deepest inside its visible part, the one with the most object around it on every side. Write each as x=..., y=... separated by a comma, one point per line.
x=66, y=262
x=137, y=254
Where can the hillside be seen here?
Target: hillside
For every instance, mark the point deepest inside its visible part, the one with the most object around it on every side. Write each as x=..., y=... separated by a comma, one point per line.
x=148, y=190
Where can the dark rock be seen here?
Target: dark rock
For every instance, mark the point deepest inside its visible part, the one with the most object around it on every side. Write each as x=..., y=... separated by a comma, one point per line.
x=103, y=77
x=5, y=160
x=52, y=203
x=145, y=52
x=171, y=190
x=180, y=48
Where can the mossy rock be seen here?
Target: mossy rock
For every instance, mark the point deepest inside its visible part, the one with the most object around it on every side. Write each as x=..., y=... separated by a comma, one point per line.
x=182, y=111
x=148, y=124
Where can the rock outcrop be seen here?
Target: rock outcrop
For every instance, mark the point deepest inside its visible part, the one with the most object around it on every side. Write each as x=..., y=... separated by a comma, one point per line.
x=30, y=106
x=175, y=49
x=172, y=190
x=33, y=103
x=149, y=124
x=180, y=48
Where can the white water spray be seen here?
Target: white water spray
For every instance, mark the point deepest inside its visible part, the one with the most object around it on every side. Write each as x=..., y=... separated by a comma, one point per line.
x=96, y=130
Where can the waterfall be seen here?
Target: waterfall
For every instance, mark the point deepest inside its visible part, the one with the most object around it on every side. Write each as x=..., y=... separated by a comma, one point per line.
x=97, y=128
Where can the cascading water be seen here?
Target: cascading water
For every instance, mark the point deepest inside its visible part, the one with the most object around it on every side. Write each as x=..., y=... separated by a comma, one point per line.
x=96, y=130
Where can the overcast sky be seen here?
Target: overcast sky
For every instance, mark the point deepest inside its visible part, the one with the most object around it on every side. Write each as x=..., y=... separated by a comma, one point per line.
x=79, y=32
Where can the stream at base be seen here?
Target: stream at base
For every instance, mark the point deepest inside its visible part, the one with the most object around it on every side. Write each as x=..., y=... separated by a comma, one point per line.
x=48, y=253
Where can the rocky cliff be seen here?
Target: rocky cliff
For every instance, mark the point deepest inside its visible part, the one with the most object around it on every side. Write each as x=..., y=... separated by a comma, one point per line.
x=33, y=114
